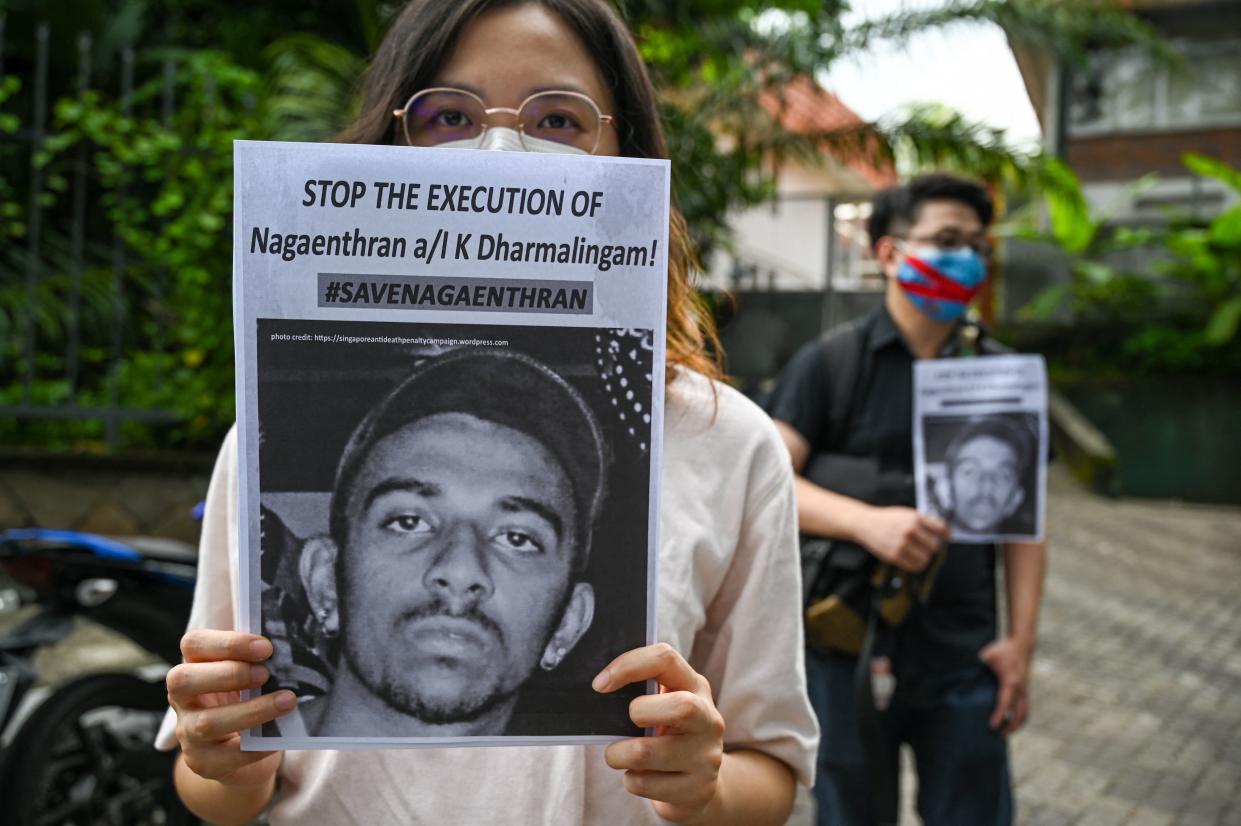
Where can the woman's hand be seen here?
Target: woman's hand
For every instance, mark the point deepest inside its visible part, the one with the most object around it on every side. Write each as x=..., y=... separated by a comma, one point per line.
x=679, y=767
x=204, y=692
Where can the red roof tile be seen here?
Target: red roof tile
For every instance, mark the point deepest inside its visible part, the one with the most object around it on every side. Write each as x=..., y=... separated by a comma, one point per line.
x=805, y=107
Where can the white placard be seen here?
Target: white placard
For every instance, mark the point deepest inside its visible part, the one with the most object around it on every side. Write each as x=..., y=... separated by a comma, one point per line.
x=980, y=445
x=450, y=374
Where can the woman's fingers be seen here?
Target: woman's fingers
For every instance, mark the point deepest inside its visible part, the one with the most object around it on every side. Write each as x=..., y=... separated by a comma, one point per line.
x=189, y=680
x=214, y=724
x=227, y=762
x=206, y=645
x=680, y=711
x=659, y=662
x=202, y=690
x=668, y=753
x=679, y=766
x=676, y=789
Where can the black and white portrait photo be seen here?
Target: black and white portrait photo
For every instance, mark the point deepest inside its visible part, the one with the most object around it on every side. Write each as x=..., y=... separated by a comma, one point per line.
x=455, y=525
x=981, y=474
x=981, y=445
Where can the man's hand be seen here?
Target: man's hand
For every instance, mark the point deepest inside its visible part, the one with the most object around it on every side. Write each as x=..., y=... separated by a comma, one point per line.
x=204, y=691
x=903, y=537
x=1010, y=660
x=678, y=768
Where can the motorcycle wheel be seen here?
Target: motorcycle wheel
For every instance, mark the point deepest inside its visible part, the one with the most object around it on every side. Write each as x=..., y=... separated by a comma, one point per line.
x=85, y=757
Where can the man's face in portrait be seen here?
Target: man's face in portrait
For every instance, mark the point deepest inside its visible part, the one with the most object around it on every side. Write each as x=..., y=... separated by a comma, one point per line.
x=985, y=483
x=456, y=571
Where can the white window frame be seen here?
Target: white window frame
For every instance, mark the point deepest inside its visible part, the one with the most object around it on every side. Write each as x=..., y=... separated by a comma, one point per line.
x=1161, y=121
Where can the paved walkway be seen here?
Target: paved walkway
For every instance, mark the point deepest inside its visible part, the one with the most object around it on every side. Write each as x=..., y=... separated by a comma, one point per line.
x=1137, y=681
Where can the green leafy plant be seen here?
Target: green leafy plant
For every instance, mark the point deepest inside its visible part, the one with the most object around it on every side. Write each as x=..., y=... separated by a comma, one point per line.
x=1169, y=294
x=164, y=188
x=12, y=223
x=1211, y=257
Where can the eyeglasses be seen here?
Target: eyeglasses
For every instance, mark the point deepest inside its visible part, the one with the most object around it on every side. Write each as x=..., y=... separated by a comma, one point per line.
x=442, y=115
x=950, y=240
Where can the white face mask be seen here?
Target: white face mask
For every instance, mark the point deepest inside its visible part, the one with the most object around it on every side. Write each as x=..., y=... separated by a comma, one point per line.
x=503, y=139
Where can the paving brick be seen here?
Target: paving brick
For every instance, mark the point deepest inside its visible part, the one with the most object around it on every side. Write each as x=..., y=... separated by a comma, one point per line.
x=13, y=513
x=51, y=501
x=1200, y=813
x=1137, y=683
x=1105, y=811
x=1050, y=816
x=1149, y=817
x=110, y=518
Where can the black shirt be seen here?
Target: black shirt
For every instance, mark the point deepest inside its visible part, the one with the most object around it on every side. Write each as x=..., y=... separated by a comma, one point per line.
x=959, y=619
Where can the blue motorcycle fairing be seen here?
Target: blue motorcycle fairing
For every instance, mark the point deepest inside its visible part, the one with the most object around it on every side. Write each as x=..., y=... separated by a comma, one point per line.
x=98, y=545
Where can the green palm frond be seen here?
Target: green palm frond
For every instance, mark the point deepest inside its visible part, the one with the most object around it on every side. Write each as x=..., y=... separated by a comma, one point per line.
x=311, y=87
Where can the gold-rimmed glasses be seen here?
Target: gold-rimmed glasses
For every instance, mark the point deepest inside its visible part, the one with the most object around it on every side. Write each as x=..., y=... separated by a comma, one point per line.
x=441, y=115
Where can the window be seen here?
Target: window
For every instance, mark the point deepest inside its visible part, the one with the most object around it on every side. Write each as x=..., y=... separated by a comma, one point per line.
x=1125, y=91
x=1210, y=87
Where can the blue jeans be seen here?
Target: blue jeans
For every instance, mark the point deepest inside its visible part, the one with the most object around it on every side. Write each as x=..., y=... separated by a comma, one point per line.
x=962, y=764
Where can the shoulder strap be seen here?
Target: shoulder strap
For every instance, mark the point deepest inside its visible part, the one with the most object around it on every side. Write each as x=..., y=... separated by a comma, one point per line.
x=842, y=348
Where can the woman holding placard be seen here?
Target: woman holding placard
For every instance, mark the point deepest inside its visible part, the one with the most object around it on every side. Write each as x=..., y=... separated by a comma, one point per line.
x=734, y=730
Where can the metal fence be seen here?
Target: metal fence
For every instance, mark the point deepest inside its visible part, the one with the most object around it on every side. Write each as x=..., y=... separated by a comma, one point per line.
x=30, y=140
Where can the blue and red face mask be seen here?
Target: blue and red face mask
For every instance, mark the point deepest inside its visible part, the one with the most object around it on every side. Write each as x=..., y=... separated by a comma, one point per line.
x=942, y=283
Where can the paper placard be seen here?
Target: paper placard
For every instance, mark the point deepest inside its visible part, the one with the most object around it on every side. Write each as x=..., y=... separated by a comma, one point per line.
x=980, y=445
x=450, y=374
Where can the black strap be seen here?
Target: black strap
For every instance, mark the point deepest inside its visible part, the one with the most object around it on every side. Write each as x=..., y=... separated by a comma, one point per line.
x=881, y=764
x=842, y=350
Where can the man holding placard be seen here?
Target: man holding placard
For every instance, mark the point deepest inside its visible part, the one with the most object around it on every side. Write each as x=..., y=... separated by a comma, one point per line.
x=904, y=642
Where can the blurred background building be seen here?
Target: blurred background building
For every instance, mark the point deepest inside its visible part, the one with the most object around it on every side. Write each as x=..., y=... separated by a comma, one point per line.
x=799, y=264
x=1125, y=114
x=1126, y=121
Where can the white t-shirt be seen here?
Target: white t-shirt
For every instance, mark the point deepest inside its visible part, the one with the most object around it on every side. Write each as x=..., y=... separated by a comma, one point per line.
x=729, y=600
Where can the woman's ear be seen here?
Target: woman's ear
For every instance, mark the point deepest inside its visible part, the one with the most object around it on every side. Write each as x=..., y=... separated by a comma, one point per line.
x=316, y=566
x=579, y=612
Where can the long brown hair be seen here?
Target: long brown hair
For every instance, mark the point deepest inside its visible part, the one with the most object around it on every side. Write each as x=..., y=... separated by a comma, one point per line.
x=422, y=39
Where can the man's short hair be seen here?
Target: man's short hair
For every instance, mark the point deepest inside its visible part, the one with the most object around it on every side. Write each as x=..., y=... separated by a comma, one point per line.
x=502, y=387
x=997, y=427
x=895, y=209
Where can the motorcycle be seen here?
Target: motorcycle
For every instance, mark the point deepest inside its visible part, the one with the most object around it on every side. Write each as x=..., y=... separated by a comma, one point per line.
x=81, y=752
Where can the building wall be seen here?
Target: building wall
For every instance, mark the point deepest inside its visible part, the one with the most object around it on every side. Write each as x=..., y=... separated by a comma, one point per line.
x=1127, y=157
x=766, y=328
x=782, y=244
x=1130, y=114
x=1128, y=202
x=115, y=497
